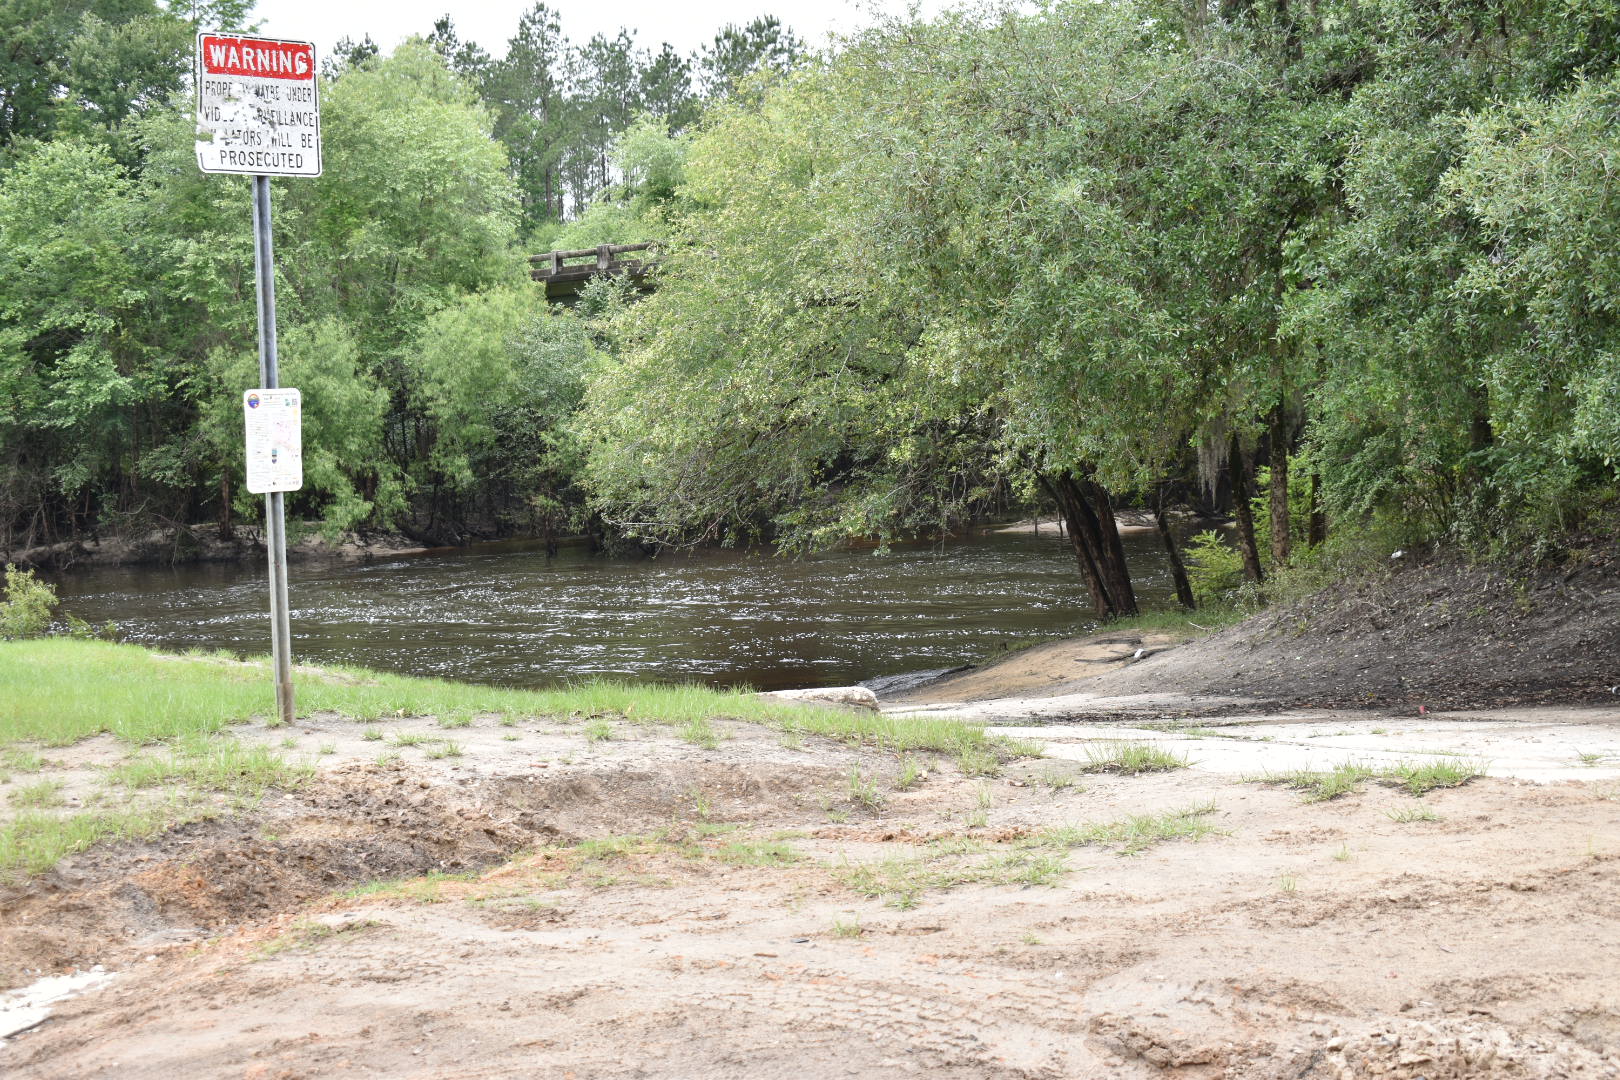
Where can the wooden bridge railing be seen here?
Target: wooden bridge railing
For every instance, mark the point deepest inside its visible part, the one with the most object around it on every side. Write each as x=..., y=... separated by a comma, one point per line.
x=563, y=279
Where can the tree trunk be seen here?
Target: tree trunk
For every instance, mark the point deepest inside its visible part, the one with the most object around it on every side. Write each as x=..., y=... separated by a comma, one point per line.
x=1083, y=506
x=1318, y=527
x=1111, y=551
x=1281, y=541
x=1178, y=569
x=227, y=531
x=1239, y=471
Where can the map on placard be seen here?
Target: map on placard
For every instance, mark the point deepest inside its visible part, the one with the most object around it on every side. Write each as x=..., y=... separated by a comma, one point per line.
x=275, y=440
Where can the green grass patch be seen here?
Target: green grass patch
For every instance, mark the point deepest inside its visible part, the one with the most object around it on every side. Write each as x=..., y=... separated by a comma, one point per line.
x=1416, y=777
x=36, y=840
x=1130, y=758
x=1132, y=835
x=60, y=691
x=1320, y=785
x=40, y=795
x=212, y=764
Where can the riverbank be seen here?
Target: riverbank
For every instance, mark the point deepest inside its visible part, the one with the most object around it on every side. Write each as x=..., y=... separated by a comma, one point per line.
x=1077, y=861
x=423, y=879
x=205, y=544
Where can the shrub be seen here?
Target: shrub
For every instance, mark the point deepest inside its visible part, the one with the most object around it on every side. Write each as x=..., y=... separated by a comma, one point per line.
x=26, y=610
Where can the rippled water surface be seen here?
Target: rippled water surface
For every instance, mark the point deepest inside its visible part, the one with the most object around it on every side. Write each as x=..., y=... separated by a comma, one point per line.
x=508, y=614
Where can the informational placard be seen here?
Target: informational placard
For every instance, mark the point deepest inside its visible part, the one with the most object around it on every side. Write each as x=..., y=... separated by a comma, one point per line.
x=258, y=106
x=275, y=440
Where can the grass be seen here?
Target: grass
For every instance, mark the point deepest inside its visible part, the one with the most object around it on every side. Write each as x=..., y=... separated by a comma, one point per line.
x=23, y=761
x=1320, y=786
x=219, y=763
x=598, y=730
x=1037, y=860
x=1135, y=834
x=911, y=773
x=1130, y=758
x=850, y=929
x=1405, y=815
x=34, y=841
x=863, y=790
x=59, y=691
x=1416, y=777
x=41, y=795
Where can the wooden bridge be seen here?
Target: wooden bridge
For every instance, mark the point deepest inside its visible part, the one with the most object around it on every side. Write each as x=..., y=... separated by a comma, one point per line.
x=564, y=276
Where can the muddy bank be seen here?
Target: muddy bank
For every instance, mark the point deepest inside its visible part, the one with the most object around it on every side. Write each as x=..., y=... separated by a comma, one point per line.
x=204, y=544
x=1444, y=636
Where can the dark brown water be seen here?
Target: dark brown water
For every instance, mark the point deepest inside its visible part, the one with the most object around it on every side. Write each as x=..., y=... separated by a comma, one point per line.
x=508, y=614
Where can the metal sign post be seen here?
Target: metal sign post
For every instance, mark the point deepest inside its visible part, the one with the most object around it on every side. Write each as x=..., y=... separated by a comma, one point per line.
x=258, y=114
x=275, y=520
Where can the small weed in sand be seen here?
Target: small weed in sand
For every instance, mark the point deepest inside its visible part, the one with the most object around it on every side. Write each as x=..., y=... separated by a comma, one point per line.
x=792, y=740
x=387, y=757
x=1130, y=758
x=1405, y=815
x=511, y=736
x=41, y=795
x=1133, y=834
x=289, y=743
x=863, y=790
x=1058, y=781
x=911, y=773
x=1030, y=938
x=444, y=748
x=1343, y=854
x=757, y=853
x=1590, y=758
x=1320, y=786
x=455, y=720
x=598, y=730
x=983, y=800
x=837, y=817
x=702, y=805
x=372, y=734
x=307, y=935
x=23, y=761
x=977, y=761
x=1420, y=777
x=847, y=929
x=327, y=748
x=1288, y=883
x=700, y=732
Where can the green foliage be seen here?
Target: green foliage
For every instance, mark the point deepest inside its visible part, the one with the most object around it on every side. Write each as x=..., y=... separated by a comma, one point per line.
x=1214, y=567
x=26, y=610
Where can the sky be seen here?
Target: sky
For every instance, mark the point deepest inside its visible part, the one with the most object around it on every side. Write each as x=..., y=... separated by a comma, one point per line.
x=491, y=22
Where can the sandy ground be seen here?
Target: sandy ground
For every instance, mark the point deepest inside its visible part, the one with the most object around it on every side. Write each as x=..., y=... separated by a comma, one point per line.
x=768, y=920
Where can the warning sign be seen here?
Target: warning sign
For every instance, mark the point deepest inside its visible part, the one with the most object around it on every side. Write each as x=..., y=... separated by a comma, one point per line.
x=275, y=440
x=258, y=107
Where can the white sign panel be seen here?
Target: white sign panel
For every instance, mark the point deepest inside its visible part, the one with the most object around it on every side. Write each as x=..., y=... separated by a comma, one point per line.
x=275, y=440
x=258, y=106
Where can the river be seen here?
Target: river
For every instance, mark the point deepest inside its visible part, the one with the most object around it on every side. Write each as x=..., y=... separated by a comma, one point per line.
x=508, y=614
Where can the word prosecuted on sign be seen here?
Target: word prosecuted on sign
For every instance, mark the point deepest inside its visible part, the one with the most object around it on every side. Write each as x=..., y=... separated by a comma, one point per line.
x=275, y=440
x=258, y=106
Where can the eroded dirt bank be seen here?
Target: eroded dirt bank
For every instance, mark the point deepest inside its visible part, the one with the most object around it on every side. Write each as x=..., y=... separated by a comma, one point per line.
x=809, y=909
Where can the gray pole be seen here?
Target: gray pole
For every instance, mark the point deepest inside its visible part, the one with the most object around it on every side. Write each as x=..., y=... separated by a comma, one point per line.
x=274, y=514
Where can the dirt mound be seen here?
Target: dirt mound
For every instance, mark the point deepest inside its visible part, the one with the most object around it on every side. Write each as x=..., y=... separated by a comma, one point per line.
x=1441, y=635
x=357, y=823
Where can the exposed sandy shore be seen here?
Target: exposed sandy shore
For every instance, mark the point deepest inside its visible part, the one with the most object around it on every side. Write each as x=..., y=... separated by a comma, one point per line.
x=772, y=922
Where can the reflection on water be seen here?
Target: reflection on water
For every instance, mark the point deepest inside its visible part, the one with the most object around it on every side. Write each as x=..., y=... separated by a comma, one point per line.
x=508, y=614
